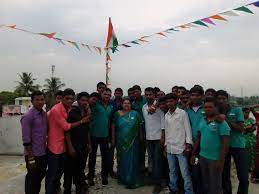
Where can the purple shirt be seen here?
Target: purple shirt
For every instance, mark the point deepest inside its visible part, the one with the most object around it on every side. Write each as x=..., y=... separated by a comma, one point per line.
x=34, y=130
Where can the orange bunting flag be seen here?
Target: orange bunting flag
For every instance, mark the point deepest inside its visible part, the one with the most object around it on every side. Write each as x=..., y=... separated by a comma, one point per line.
x=184, y=26
x=218, y=17
x=108, y=58
x=161, y=34
x=12, y=26
x=50, y=35
x=98, y=49
x=142, y=40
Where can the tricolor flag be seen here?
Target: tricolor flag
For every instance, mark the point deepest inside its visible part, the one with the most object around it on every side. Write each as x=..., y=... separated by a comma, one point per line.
x=112, y=41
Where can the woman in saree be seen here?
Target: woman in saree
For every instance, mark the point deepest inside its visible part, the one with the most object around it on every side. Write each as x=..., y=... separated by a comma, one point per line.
x=126, y=136
x=250, y=127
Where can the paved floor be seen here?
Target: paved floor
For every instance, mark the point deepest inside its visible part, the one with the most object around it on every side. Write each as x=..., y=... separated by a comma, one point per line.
x=12, y=170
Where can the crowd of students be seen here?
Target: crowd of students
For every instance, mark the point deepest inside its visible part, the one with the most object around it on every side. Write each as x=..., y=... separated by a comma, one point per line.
x=190, y=137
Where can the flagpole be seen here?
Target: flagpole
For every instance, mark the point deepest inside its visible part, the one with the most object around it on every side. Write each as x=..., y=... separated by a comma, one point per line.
x=107, y=69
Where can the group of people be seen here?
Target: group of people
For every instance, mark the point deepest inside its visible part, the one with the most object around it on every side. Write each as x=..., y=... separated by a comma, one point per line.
x=189, y=136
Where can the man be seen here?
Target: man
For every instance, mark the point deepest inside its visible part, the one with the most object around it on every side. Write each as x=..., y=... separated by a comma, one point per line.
x=180, y=91
x=99, y=131
x=117, y=105
x=178, y=141
x=100, y=88
x=58, y=96
x=57, y=120
x=160, y=94
x=235, y=119
x=34, y=132
x=155, y=135
x=212, y=141
x=184, y=100
x=131, y=94
x=77, y=140
x=196, y=114
x=175, y=90
x=93, y=98
x=138, y=105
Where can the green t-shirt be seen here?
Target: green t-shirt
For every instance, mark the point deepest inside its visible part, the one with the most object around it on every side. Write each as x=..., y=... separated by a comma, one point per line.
x=100, y=124
x=195, y=119
x=249, y=122
x=237, y=139
x=138, y=105
x=211, y=135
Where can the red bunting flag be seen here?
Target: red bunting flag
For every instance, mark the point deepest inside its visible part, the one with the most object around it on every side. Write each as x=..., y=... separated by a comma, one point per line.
x=50, y=35
x=98, y=49
x=161, y=34
x=218, y=17
x=12, y=26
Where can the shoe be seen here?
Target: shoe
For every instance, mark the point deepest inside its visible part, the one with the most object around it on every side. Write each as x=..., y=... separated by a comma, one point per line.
x=91, y=182
x=105, y=181
x=157, y=189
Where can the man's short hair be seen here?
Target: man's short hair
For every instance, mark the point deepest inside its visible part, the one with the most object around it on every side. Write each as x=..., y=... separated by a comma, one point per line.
x=82, y=94
x=68, y=92
x=245, y=109
x=222, y=93
x=171, y=96
x=136, y=87
x=175, y=87
x=211, y=99
x=162, y=99
x=118, y=90
x=130, y=90
x=197, y=89
x=150, y=89
x=94, y=94
x=211, y=90
x=36, y=93
x=59, y=93
x=108, y=90
x=181, y=88
x=101, y=84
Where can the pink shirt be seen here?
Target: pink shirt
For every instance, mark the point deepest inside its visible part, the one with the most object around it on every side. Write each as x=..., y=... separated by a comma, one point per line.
x=57, y=119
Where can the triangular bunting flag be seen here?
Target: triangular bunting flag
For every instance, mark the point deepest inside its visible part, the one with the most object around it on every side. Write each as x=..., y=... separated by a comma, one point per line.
x=229, y=13
x=198, y=22
x=74, y=43
x=125, y=45
x=218, y=17
x=134, y=42
x=59, y=41
x=98, y=49
x=108, y=58
x=161, y=34
x=208, y=20
x=256, y=4
x=172, y=29
x=12, y=26
x=50, y=35
x=244, y=9
x=191, y=25
x=183, y=26
x=112, y=41
x=142, y=40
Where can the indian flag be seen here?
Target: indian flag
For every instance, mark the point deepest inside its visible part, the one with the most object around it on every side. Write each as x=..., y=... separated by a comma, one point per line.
x=112, y=41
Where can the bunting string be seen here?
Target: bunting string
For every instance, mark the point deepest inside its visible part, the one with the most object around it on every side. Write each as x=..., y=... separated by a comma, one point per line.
x=206, y=22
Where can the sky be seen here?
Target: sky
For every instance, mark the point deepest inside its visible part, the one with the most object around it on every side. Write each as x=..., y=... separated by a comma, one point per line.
x=221, y=57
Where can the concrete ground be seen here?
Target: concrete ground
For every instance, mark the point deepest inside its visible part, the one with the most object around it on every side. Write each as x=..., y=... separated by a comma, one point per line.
x=12, y=172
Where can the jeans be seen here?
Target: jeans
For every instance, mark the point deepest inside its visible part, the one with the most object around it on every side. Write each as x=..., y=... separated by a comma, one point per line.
x=197, y=179
x=154, y=149
x=184, y=169
x=54, y=173
x=240, y=159
x=74, y=170
x=104, y=147
x=211, y=176
x=34, y=176
x=111, y=159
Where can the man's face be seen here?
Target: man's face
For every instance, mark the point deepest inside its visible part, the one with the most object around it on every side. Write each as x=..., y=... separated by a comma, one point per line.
x=246, y=113
x=92, y=100
x=83, y=102
x=175, y=91
x=171, y=103
x=196, y=98
x=210, y=95
x=210, y=109
x=137, y=93
x=160, y=94
x=150, y=96
x=180, y=92
x=38, y=102
x=118, y=94
x=163, y=106
x=131, y=94
x=222, y=100
x=68, y=101
x=184, y=99
x=106, y=96
x=101, y=88
x=58, y=99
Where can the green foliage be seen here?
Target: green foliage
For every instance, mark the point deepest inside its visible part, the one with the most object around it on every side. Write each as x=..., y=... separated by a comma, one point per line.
x=7, y=97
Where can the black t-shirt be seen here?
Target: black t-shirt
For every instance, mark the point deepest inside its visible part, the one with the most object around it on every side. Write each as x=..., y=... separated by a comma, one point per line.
x=79, y=134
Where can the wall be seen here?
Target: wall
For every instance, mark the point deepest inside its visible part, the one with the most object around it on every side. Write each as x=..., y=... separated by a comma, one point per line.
x=10, y=135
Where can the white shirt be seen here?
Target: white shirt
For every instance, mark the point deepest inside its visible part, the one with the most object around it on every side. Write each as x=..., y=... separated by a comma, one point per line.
x=154, y=123
x=177, y=131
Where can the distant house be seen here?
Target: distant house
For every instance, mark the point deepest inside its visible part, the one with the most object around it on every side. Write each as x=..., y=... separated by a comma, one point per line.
x=24, y=103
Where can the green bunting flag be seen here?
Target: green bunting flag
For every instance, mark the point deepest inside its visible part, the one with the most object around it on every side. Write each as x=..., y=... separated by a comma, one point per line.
x=198, y=22
x=244, y=9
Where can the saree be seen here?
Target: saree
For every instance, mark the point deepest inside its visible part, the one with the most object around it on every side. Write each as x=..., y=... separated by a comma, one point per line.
x=250, y=144
x=127, y=146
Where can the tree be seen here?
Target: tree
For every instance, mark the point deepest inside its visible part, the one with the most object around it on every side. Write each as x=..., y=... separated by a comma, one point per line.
x=51, y=87
x=7, y=97
x=26, y=84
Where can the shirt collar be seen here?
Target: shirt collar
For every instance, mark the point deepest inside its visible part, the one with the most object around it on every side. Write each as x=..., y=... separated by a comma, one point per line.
x=175, y=112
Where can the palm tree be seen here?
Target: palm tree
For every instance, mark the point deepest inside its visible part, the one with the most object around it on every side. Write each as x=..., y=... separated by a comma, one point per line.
x=26, y=84
x=51, y=87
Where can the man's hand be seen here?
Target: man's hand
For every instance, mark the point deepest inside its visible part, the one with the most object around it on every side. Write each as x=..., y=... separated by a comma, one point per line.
x=162, y=140
x=220, y=165
x=193, y=160
x=86, y=119
x=187, y=150
x=71, y=151
x=89, y=149
x=220, y=118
